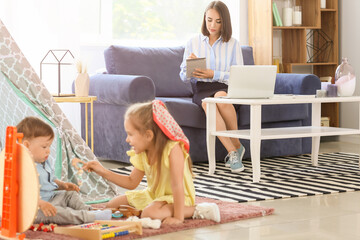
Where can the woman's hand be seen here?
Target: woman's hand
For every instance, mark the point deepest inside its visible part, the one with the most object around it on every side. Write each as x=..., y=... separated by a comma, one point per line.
x=203, y=73
x=172, y=221
x=47, y=208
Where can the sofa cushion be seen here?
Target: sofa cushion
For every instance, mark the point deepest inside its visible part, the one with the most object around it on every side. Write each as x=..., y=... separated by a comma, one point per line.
x=275, y=113
x=248, y=57
x=162, y=65
x=189, y=114
x=185, y=112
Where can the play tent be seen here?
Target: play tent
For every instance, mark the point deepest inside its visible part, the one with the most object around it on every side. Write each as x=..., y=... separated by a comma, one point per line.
x=23, y=94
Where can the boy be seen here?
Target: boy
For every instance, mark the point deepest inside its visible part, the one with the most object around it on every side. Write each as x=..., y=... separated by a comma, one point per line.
x=59, y=201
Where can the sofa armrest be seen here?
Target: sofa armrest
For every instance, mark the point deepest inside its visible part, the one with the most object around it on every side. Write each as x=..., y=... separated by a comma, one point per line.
x=121, y=89
x=292, y=83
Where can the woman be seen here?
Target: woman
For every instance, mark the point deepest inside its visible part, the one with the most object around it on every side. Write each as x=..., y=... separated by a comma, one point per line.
x=221, y=51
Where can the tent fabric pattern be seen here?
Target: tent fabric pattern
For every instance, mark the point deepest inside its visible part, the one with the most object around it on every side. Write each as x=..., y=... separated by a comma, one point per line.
x=13, y=109
x=15, y=68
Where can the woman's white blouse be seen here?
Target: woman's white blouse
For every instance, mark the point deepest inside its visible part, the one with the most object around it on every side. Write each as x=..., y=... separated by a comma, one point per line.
x=219, y=57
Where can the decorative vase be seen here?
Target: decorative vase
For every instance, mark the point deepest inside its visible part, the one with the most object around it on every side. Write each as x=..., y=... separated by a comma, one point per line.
x=323, y=4
x=287, y=14
x=345, y=79
x=82, y=84
x=297, y=16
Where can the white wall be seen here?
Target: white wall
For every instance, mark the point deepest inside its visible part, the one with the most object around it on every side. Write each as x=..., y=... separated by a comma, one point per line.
x=349, y=39
x=40, y=25
x=243, y=25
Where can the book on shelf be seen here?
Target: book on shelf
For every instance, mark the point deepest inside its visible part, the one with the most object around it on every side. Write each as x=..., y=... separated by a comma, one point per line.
x=278, y=62
x=276, y=16
x=275, y=22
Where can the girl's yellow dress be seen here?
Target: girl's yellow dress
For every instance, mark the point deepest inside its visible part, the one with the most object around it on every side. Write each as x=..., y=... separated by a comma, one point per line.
x=142, y=198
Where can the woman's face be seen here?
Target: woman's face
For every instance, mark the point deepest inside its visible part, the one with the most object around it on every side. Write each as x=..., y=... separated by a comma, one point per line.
x=213, y=22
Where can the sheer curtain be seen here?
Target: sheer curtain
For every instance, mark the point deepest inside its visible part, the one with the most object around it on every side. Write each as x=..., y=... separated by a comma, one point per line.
x=137, y=23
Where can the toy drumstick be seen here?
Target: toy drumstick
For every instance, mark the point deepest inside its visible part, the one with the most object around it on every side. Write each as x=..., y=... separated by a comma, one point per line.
x=77, y=164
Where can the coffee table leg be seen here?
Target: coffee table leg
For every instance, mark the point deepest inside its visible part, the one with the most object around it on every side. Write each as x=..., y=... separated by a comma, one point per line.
x=359, y=125
x=315, y=151
x=210, y=139
x=315, y=122
x=255, y=140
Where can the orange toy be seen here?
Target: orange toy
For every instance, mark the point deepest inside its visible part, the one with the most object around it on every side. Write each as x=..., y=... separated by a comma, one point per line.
x=19, y=187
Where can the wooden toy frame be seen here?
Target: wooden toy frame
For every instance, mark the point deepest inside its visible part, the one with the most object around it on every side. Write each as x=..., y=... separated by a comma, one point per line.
x=87, y=233
x=19, y=186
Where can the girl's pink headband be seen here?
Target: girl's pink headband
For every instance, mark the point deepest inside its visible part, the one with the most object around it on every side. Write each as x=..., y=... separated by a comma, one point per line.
x=167, y=123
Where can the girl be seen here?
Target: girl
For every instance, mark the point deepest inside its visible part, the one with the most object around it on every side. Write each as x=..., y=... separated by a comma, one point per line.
x=221, y=51
x=160, y=152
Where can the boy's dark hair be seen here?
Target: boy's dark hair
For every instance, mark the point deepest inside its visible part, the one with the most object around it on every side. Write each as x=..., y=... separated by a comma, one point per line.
x=222, y=9
x=33, y=127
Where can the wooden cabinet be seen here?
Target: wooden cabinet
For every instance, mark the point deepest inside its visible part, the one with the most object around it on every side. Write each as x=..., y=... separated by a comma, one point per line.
x=313, y=44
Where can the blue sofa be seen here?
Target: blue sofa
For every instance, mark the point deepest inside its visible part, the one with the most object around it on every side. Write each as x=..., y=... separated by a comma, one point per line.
x=138, y=74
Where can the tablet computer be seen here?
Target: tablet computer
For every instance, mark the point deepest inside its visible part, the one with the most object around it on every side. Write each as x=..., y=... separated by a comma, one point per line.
x=193, y=63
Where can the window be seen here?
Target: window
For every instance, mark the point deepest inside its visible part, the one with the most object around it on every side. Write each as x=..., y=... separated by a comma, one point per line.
x=155, y=22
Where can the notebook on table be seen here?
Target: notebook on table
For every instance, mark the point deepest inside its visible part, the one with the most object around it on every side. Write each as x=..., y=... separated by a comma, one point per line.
x=251, y=81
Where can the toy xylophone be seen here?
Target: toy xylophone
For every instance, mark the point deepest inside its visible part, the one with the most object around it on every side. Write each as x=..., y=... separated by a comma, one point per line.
x=101, y=229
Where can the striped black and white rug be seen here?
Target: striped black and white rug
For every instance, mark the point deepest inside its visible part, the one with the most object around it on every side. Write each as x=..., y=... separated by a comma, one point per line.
x=281, y=177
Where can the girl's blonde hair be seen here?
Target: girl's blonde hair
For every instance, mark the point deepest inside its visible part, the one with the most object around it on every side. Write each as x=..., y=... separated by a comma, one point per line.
x=141, y=117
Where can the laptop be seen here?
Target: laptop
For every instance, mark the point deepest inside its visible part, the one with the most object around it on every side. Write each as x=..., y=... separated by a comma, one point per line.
x=251, y=81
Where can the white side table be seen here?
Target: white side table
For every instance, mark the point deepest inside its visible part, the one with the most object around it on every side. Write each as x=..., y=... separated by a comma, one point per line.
x=256, y=134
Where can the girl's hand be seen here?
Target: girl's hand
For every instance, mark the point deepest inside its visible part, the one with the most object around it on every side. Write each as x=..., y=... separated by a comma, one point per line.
x=47, y=208
x=71, y=187
x=94, y=166
x=192, y=56
x=203, y=73
x=172, y=221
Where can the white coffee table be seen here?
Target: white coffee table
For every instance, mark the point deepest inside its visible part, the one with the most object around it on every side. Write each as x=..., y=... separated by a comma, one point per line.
x=255, y=134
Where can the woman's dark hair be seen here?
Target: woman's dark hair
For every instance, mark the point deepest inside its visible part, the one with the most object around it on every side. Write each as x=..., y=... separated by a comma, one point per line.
x=226, y=29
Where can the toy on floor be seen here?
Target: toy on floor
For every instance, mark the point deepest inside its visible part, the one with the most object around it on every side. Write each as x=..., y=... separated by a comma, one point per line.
x=129, y=211
x=101, y=229
x=43, y=228
x=146, y=222
x=19, y=187
x=125, y=210
x=117, y=214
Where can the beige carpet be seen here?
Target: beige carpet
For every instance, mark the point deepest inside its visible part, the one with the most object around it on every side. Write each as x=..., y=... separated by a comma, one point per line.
x=229, y=211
